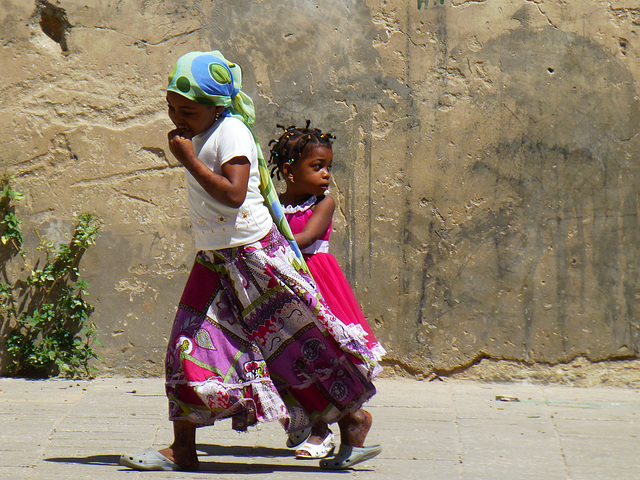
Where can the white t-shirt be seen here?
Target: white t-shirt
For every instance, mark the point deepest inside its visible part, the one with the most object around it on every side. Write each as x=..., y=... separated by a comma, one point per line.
x=215, y=225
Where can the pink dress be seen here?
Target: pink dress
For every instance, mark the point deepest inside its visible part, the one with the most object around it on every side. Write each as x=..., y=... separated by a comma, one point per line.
x=331, y=282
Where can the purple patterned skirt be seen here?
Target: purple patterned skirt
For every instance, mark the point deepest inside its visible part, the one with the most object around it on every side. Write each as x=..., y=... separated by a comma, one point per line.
x=253, y=340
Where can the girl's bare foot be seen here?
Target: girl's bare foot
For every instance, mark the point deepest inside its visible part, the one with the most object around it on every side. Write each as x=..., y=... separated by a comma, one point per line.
x=354, y=428
x=183, y=449
x=187, y=461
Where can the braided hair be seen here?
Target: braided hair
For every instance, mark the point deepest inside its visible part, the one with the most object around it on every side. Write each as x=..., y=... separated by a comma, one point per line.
x=292, y=143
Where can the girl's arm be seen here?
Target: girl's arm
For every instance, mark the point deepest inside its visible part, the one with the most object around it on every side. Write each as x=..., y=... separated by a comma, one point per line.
x=230, y=188
x=318, y=223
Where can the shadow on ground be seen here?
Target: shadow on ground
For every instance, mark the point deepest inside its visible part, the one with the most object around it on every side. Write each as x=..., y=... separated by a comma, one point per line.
x=206, y=451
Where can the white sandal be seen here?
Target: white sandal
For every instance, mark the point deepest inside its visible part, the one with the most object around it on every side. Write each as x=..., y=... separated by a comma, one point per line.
x=312, y=451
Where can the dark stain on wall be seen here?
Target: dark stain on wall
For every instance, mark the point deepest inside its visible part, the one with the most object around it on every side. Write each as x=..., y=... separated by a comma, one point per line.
x=547, y=259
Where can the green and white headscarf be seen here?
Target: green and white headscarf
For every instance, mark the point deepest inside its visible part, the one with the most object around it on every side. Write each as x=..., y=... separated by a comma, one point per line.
x=210, y=79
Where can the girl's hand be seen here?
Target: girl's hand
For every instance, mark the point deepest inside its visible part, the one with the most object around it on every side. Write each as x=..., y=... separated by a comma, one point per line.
x=180, y=144
x=318, y=223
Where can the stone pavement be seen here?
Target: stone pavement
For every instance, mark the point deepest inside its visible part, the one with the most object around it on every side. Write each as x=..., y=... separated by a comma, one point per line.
x=60, y=429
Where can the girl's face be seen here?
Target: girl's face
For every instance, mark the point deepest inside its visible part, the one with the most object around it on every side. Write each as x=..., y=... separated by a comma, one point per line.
x=190, y=117
x=312, y=172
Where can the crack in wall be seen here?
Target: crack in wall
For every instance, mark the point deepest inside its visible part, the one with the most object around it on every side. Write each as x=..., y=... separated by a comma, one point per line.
x=578, y=368
x=537, y=4
x=139, y=199
x=141, y=41
x=157, y=152
x=122, y=176
x=53, y=22
x=465, y=2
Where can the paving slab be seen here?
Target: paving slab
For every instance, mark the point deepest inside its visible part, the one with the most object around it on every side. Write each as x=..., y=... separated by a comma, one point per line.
x=62, y=430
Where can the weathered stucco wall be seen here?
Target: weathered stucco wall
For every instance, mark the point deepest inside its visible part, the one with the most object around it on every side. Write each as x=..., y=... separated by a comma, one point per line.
x=486, y=163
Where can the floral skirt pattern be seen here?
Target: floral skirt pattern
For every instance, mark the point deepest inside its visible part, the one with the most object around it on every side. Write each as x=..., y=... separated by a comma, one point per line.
x=254, y=341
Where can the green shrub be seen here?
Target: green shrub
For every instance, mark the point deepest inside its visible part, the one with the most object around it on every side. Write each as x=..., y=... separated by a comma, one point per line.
x=51, y=333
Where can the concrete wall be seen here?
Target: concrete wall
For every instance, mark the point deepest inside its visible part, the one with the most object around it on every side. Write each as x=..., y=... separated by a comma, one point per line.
x=486, y=163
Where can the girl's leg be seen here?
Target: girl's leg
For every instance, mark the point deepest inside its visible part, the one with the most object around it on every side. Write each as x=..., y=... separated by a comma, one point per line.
x=319, y=432
x=183, y=449
x=354, y=427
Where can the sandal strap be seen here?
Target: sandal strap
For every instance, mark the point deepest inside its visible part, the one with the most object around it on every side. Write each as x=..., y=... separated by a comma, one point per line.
x=317, y=451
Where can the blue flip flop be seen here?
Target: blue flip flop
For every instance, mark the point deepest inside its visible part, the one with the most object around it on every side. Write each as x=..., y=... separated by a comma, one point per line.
x=150, y=459
x=348, y=456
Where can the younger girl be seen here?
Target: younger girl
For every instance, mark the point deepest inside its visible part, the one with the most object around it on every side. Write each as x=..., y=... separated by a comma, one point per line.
x=303, y=156
x=251, y=340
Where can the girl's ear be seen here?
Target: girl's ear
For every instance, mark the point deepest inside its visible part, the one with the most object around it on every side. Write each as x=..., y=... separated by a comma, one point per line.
x=287, y=171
